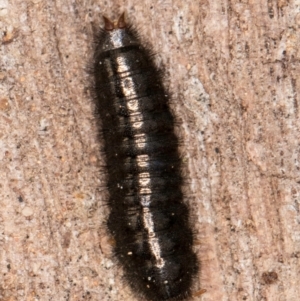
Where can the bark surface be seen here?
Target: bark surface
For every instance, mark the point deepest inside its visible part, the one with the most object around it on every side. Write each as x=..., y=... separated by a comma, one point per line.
x=233, y=70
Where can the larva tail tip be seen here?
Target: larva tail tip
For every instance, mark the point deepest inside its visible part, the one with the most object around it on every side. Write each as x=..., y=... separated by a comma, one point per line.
x=121, y=22
x=110, y=25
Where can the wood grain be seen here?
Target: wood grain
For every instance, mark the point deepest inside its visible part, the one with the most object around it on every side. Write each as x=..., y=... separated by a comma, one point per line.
x=233, y=68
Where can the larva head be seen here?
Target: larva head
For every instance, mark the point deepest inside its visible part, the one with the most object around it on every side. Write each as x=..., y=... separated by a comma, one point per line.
x=116, y=34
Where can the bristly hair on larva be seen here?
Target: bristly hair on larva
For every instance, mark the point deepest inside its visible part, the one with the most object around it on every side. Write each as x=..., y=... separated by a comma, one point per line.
x=148, y=219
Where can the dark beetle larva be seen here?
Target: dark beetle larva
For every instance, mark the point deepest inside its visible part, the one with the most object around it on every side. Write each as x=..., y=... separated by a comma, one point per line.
x=148, y=217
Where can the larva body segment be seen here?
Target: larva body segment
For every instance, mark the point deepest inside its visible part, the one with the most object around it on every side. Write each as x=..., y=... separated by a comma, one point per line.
x=148, y=218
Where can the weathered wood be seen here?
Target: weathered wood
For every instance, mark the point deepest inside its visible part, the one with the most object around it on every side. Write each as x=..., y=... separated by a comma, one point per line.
x=234, y=70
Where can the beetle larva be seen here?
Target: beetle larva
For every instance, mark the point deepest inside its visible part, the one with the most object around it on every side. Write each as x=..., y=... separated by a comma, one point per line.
x=148, y=217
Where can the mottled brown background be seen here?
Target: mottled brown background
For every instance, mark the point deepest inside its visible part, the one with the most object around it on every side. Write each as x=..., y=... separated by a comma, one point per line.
x=233, y=68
